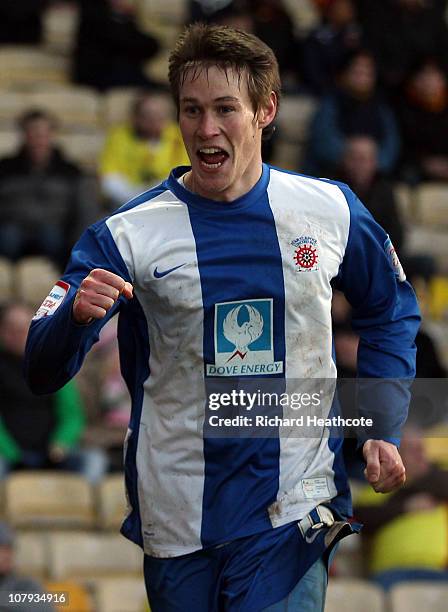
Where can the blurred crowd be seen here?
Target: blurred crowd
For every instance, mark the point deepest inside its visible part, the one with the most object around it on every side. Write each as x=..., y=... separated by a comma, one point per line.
x=374, y=78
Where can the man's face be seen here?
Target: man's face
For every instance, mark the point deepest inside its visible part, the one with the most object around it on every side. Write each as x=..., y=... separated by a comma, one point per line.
x=222, y=132
x=151, y=117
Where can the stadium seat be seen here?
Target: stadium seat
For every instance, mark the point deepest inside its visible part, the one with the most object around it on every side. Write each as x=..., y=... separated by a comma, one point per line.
x=294, y=117
x=78, y=598
x=405, y=197
x=432, y=204
x=59, y=27
x=76, y=108
x=41, y=498
x=9, y=141
x=33, y=278
x=412, y=597
x=168, y=11
x=351, y=595
x=112, y=502
x=120, y=595
x=85, y=556
x=429, y=241
x=31, y=554
x=117, y=104
x=83, y=149
x=26, y=66
x=6, y=276
x=12, y=105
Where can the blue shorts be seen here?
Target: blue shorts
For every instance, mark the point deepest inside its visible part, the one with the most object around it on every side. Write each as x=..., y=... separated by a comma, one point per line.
x=245, y=575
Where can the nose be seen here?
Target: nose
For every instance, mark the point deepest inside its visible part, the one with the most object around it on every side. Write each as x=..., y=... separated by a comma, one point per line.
x=208, y=126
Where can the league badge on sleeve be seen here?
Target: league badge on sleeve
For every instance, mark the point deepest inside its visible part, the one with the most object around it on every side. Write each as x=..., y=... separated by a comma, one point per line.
x=53, y=300
x=394, y=261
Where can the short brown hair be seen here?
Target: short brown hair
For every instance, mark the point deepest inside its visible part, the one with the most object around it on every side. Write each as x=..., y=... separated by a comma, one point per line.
x=202, y=45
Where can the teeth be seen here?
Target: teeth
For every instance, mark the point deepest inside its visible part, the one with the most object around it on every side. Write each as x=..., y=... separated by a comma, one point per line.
x=210, y=150
x=212, y=165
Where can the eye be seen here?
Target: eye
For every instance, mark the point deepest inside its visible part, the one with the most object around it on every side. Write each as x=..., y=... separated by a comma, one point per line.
x=225, y=110
x=191, y=110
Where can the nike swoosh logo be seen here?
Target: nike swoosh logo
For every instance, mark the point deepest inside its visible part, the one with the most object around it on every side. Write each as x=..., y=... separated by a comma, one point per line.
x=158, y=274
x=310, y=539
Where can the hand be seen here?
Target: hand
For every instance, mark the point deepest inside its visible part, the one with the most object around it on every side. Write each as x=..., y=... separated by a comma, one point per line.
x=385, y=470
x=97, y=293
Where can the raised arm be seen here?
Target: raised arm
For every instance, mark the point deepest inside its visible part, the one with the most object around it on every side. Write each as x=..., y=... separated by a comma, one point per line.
x=92, y=289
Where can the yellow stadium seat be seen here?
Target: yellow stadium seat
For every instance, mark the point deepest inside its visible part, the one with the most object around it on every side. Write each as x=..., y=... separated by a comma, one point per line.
x=415, y=597
x=40, y=498
x=352, y=595
x=120, y=595
x=85, y=556
x=78, y=599
x=112, y=502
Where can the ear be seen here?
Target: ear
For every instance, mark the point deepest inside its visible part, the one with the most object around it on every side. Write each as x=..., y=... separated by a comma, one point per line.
x=266, y=114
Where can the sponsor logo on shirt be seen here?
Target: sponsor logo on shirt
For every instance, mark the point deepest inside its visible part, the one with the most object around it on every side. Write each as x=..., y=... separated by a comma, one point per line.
x=306, y=254
x=244, y=339
x=53, y=300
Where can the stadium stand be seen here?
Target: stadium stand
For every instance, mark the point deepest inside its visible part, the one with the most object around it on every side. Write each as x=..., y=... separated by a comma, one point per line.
x=120, y=595
x=32, y=553
x=111, y=502
x=6, y=277
x=354, y=595
x=78, y=597
x=23, y=67
x=411, y=597
x=86, y=556
x=56, y=500
x=32, y=277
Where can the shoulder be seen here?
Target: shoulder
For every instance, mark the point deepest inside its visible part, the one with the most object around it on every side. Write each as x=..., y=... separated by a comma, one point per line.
x=332, y=193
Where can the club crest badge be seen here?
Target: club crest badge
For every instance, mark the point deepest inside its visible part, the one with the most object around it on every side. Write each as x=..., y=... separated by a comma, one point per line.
x=306, y=255
x=244, y=339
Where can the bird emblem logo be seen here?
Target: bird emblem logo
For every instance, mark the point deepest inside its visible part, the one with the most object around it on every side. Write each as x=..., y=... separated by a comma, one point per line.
x=242, y=335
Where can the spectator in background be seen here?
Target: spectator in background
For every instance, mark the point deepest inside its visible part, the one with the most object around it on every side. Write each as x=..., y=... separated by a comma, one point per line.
x=139, y=154
x=11, y=582
x=38, y=431
x=110, y=48
x=356, y=107
x=423, y=113
x=21, y=21
x=359, y=169
x=44, y=199
x=329, y=44
x=408, y=527
x=400, y=32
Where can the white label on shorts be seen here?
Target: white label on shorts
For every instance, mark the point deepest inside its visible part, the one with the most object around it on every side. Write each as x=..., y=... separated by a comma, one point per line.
x=315, y=488
x=53, y=300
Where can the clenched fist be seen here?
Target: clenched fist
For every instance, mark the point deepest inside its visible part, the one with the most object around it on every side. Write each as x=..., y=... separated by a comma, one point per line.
x=385, y=470
x=97, y=293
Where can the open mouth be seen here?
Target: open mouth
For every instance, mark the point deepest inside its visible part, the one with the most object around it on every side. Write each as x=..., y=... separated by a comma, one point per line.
x=212, y=157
